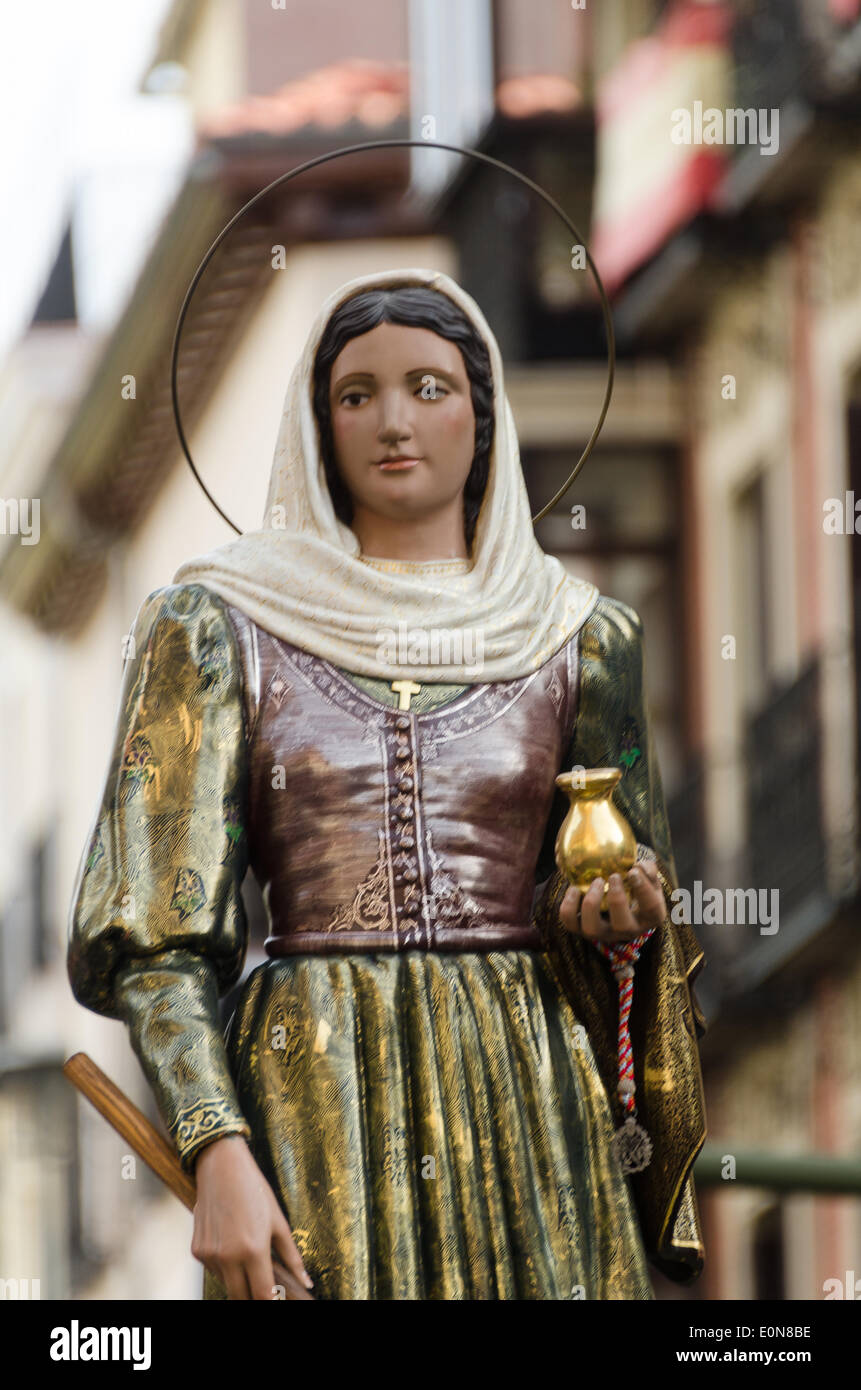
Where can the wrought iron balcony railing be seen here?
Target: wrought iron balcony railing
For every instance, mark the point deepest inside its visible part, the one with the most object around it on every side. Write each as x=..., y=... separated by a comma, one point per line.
x=783, y=756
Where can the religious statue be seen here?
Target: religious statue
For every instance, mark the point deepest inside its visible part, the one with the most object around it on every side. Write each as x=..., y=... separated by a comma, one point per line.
x=368, y=701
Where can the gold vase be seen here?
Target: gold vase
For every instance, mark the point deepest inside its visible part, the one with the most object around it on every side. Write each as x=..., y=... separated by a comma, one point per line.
x=594, y=839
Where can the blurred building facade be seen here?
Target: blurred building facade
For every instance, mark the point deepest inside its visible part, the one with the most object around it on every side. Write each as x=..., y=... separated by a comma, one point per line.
x=735, y=416
x=740, y=270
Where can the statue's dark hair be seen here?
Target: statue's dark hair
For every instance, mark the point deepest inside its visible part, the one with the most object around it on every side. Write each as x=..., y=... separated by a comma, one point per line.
x=416, y=307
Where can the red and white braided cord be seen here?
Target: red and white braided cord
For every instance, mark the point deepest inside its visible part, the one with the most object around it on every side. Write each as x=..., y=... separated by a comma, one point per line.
x=622, y=958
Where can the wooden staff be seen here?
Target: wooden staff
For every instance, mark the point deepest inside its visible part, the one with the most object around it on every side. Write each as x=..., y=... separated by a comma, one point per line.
x=149, y=1145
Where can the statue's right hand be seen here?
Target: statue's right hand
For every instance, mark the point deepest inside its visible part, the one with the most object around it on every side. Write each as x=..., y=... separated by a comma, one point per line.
x=238, y=1222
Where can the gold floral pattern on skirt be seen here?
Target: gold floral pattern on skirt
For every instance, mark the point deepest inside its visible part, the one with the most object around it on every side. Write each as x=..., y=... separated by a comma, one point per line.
x=436, y=1127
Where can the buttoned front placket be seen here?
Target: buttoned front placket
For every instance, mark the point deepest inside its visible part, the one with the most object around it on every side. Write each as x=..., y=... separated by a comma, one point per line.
x=405, y=822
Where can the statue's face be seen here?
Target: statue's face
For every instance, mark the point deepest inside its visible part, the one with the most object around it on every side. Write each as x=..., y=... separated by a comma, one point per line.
x=402, y=391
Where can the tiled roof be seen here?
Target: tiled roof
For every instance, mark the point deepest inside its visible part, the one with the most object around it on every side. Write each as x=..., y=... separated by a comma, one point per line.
x=374, y=94
x=536, y=94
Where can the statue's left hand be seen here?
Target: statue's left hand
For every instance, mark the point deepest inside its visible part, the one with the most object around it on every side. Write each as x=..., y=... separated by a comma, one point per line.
x=581, y=916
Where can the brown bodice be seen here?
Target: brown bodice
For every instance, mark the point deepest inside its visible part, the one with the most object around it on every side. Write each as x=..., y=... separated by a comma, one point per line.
x=375, y=828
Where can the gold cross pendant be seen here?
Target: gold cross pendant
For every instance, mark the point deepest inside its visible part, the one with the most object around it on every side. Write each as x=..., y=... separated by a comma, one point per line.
x=406, y=690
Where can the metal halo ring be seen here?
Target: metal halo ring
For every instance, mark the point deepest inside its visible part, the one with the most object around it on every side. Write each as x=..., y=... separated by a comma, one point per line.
x=382, y=145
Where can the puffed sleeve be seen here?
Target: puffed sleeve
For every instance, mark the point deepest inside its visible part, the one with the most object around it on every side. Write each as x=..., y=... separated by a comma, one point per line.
x=157, y=928
x=613, y=729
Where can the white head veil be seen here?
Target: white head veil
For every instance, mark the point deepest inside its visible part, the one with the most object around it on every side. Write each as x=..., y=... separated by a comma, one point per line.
x=302, y=578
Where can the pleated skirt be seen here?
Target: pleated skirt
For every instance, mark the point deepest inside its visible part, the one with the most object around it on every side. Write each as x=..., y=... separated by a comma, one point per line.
x=435, y=1127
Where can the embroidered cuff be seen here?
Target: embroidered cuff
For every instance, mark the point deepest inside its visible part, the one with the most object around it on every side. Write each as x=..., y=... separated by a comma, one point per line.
x=201, y=1124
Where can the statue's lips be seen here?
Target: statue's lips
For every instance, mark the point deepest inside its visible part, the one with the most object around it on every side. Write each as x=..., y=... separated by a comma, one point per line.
x=389, y=465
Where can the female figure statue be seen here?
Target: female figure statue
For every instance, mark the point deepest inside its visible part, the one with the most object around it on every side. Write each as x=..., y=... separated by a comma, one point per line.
x=367, y=701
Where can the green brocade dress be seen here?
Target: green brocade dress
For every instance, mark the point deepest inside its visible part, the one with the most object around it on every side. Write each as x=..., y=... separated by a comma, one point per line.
x=436, y=1124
